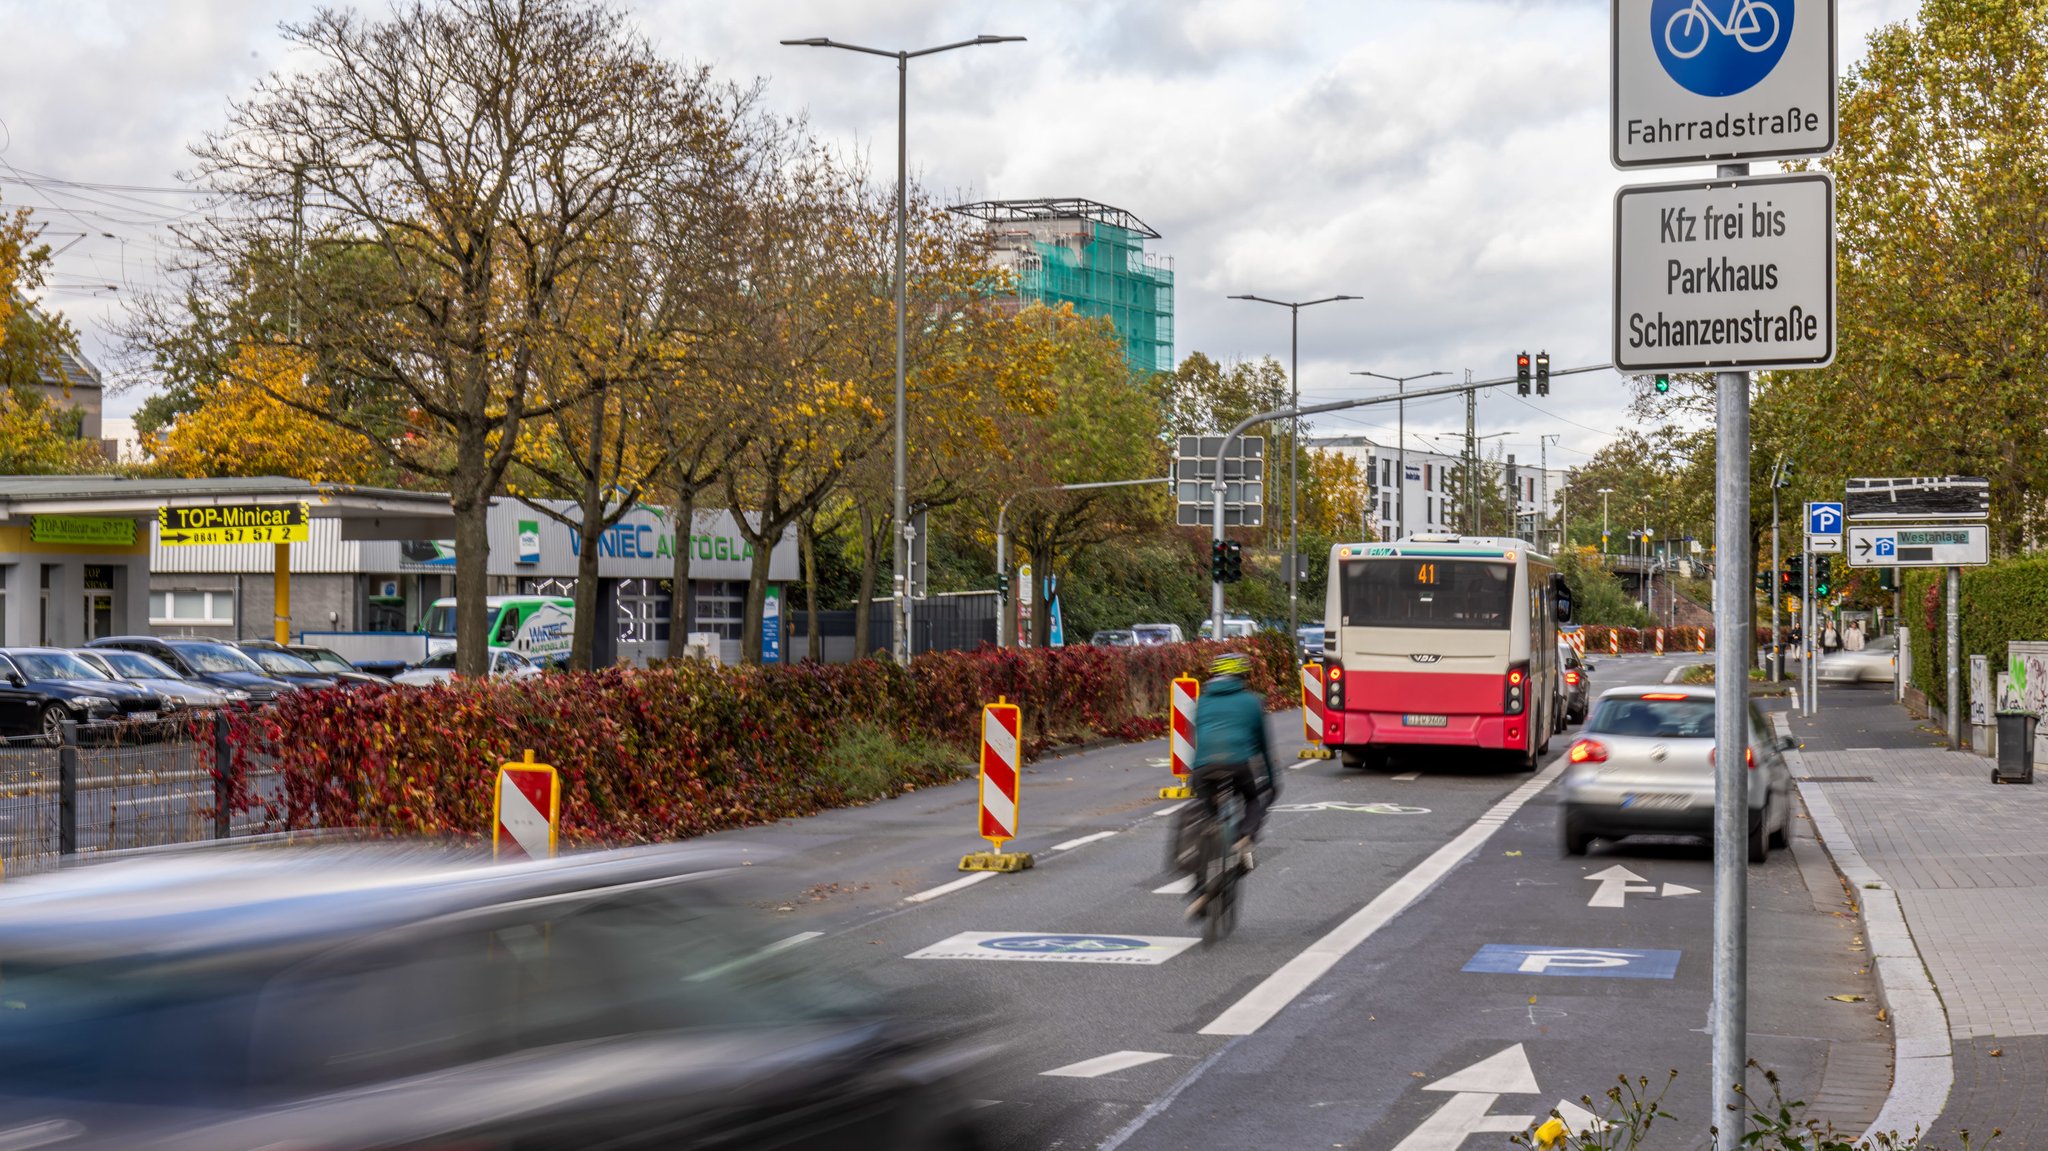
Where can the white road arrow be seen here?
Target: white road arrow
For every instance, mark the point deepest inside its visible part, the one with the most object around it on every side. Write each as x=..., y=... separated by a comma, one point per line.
x=1671, y=889
x=1615, y=887
x=1475, y=1090
x=1579, y=1119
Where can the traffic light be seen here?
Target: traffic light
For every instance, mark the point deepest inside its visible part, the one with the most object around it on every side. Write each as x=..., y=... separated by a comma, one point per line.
x=1219, y=562
x=1763, y=580
x=1823, y=577
x=1522, y=374
x=1543, y=373
x=1663, y=384
x=1002, y=585
x=1233, y=562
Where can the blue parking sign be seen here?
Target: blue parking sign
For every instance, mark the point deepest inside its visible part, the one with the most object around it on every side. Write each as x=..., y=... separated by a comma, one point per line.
x=1824, y=519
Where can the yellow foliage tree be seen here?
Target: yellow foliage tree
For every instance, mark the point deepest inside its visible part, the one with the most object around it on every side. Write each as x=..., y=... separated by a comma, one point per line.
x=243, y=428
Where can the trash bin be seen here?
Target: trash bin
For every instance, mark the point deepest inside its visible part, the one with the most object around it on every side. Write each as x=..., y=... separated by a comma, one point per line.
x=2015, y=747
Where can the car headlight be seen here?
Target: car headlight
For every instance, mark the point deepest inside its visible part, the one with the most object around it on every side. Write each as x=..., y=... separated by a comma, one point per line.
x=85, y=702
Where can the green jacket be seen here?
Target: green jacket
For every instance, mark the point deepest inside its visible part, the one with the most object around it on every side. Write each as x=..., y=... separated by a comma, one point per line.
x=1230, y=724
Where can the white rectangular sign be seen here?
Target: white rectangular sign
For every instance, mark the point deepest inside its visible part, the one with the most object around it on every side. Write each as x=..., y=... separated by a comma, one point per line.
x=1725, y=275
x=1721, y=81
x=1824, y=544
x=1920, y=546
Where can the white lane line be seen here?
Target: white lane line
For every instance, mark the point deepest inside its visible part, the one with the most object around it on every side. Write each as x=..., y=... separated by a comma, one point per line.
x=1263, y=1002
x=1071, y=844
x=1407, y=776
x=1106, y=1064
x=1181, y=886
x=948, y=888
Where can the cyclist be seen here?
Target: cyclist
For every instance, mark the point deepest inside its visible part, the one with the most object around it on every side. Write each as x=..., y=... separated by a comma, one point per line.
x=1230, y=728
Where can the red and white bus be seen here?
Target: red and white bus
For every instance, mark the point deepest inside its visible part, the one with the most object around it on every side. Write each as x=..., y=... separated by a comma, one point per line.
x=1440, y=641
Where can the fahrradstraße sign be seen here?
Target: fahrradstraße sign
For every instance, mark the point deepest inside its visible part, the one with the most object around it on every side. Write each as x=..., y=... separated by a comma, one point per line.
x=1721, y=81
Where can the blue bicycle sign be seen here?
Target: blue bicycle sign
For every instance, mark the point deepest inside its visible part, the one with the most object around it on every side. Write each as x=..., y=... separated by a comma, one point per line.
x=1720, y=47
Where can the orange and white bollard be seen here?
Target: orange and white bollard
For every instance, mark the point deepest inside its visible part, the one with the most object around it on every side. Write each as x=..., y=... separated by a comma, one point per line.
x=1312, y=713
x=1660, y=641
x=1181, y=736
x=1613, y=642
x=1699, y=634
x=526, y=810
x=1002, y=774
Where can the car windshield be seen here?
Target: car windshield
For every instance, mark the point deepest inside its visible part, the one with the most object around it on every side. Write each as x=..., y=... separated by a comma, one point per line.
x=325, y=660
x=216, y=657
x=443, y=660
x=1470, y=595
x=284, y=663
x=439, y=620
x=1152, y=635
x=54, y=665
x=1683, y=717
x=135, y=665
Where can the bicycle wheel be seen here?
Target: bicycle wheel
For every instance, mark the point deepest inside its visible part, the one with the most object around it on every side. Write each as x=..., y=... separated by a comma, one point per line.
x=1686, y=42
x=1760, y=31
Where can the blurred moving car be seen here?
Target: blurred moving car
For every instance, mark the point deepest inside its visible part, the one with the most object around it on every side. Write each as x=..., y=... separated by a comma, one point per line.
x=1644, y=765
x=331, y=662
x=1154, y=634
x=1878, y=662
x=42, y=687
x=231, y=998
x=214, y=664
x=178, y=693
x=1310, y=639
x=1114, y=637
x=505, y=664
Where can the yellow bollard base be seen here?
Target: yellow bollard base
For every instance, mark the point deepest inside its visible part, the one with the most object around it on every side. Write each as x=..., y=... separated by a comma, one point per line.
x=996, y=861
x=1178, y=791
x=1315, y=753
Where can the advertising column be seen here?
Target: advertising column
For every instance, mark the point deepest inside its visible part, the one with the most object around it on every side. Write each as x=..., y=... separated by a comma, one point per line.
x=771, y=626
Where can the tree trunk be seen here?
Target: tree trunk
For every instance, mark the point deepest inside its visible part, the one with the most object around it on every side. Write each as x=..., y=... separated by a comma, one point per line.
x=757, y=598
x=862, y=633
x=807, y=540
x=589, y=527
x=684, y=523
x=470, y=500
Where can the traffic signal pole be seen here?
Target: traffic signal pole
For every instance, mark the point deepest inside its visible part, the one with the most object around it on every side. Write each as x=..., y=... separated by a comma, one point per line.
x=1223, y=450
x=1003, y=637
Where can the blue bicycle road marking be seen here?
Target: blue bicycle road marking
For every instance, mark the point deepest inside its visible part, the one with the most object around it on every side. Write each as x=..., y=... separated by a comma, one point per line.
x=1065, y=943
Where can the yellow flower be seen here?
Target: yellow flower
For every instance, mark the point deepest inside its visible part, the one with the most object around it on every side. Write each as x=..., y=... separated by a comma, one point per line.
x=1551, y=1135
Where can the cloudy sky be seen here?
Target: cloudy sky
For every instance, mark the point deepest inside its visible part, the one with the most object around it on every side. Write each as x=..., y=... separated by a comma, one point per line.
x=1444, y=159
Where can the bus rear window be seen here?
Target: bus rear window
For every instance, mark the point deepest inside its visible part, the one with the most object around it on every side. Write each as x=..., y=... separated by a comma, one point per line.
x=1472, y=595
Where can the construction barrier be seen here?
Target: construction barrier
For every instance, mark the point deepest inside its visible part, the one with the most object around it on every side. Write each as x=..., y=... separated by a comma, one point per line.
x=1312, y=716
x=1001, y=777
x=1181, y=735
x=1700, y=635
x=526, y=810
x=1660, y=641
x=1613, y=642
x=1578, y=641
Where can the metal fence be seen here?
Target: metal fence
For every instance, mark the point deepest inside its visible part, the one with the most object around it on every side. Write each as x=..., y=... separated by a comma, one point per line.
x=99, y=790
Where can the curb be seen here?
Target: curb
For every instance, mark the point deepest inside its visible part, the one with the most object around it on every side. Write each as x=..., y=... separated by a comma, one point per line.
x=1923, y=1063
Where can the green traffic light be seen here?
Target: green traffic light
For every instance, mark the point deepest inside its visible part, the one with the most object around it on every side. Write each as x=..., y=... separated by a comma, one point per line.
x=1663, y=384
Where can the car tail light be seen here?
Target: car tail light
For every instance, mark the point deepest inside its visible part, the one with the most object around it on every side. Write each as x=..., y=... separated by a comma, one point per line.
x=1667, y=695
x=1572, y=678
x=1587, y=751
x=1516, y=696
x=1748, y=757
x=1333, y=686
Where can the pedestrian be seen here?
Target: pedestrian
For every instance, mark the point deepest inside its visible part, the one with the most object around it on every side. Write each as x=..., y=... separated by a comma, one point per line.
x=1852, y=639
x=1831, y=640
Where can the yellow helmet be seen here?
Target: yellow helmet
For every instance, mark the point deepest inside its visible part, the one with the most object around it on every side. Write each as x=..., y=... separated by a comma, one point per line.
x=1230, y=663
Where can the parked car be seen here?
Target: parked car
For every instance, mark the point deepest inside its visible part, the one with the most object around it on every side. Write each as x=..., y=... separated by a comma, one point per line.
x=286, y=664
x=1234, y=627
x=1114, y=637
x=331, y=662
x=353, y=997
x=1155, y=634
x=42, y=687
x=1878, y=662
x=1644, y=765
x=535, y=626
x=505, y=664
x=1577, y=673
x=1310, y=639
x=178, y=693
x=214, y=664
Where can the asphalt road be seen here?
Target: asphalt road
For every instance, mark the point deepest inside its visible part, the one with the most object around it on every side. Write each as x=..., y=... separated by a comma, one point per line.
x=1418, y=966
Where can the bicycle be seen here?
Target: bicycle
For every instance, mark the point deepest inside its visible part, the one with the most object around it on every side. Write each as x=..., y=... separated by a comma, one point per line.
x=1745, y=24
x=1205, y=851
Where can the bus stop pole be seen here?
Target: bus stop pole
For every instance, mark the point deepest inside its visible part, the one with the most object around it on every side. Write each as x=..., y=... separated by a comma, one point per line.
x=1728, y=1018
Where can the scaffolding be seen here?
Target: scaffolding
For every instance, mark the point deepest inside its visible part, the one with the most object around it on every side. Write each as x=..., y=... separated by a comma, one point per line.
x=1090, y=255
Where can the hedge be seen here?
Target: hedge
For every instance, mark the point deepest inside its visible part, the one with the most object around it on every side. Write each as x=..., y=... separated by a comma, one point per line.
x=687, y=747
x=2007, y=600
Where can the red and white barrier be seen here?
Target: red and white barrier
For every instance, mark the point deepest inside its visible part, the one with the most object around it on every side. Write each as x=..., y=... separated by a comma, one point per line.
x=1660, y=641
x=1001, y=769
x=1181, y=735
x=526, y=809
x=1613, y=642
x=1312, y=714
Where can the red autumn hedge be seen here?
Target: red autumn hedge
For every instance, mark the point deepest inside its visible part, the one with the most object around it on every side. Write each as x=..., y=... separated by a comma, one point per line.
x=686, y=748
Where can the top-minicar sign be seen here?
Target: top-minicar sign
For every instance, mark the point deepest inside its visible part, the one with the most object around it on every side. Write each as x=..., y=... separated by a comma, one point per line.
x=1721, y=81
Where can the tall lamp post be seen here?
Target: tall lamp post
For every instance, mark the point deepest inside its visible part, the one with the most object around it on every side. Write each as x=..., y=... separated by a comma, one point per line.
x=1294, y=308
x=1604, y=493
x=901, y=553
x=1401, y=448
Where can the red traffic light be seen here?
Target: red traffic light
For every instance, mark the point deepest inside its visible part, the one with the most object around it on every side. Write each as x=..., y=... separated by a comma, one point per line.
x=1522, y=361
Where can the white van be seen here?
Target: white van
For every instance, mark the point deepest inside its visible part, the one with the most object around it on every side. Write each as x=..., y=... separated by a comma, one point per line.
x=539, y=627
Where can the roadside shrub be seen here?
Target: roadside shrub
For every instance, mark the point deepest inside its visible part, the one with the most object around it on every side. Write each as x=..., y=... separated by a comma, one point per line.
x=2005, y=601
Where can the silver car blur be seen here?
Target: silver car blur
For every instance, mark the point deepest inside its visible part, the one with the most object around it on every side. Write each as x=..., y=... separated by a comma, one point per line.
x=1644, y=765
x=1878, y=662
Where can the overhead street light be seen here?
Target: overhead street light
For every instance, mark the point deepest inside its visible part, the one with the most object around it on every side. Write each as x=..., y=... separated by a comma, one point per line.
x=901, y=643
x=1294, y=308
x=1401, y=448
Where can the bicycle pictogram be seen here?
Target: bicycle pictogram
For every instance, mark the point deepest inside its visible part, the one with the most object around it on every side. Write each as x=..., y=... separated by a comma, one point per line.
x=1752, y=24
x=1720, y=47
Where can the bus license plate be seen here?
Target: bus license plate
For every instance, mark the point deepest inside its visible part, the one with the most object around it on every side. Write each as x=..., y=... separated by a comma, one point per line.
x=1426, y=720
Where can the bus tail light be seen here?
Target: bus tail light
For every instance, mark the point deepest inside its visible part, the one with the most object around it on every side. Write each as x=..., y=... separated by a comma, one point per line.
x=1333, y=686
x=1517, y=689
x=1587, y=751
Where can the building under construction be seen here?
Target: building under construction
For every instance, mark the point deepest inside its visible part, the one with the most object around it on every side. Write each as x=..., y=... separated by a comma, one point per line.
x=1092, y=256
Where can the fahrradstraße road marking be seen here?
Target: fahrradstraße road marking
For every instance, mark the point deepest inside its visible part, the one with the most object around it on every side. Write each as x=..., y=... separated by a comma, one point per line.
x=1262, y=1003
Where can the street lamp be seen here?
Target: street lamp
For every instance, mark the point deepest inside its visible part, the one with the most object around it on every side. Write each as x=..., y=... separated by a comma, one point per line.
x=1294, y=308
x=1604, y=493
x=1401, y=448
x=901, y=553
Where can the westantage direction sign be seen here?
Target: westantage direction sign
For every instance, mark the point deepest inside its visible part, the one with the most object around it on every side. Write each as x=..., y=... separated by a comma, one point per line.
x=1720, y=81
x=1725, y=275
x=1920, y=545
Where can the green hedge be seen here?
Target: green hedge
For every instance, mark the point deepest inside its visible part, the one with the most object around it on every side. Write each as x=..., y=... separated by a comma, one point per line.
x=2006, y=601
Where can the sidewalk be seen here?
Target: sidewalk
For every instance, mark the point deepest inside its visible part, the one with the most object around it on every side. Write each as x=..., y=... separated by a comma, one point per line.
x=1968, y=863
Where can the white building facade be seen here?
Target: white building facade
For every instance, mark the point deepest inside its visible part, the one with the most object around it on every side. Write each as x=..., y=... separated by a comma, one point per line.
x=1429, y=492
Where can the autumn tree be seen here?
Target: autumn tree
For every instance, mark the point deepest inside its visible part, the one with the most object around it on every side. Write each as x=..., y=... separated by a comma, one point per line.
x=36, y=436
x=239, y=426
x=475, y=159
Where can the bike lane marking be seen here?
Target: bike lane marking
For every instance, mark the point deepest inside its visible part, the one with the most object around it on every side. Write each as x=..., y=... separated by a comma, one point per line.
x=1107, y=1064
x=1071, y=844
x=1276, y=991
x=947, y=888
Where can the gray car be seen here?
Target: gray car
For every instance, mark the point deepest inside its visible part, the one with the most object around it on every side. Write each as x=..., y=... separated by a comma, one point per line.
x=1878, y=662
x=1644, y=765
x=177, y=692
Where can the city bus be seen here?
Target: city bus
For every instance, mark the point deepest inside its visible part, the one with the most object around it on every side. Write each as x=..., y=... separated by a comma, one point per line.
x=1438, y=642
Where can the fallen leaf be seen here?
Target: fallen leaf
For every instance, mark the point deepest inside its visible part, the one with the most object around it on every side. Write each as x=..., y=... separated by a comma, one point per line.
x=1511, y=853
x=1846, y=998
x=1997, y=1052
x=1881, y=1013
x=1419, y=1074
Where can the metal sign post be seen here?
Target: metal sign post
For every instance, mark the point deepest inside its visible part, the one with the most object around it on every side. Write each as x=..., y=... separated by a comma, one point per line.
x=1955, y=656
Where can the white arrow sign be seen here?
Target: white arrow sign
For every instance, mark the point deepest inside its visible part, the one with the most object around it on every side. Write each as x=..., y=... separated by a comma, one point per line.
x=1617, y=883
x=1475, y=1090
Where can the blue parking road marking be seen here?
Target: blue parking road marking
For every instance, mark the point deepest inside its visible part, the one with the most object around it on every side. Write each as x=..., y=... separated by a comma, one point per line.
x=1599, y=962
